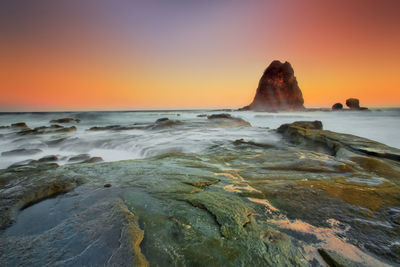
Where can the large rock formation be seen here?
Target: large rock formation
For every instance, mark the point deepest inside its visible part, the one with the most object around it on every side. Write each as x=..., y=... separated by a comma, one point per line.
x=277, y=90
x=353, y=103
x=337, y=106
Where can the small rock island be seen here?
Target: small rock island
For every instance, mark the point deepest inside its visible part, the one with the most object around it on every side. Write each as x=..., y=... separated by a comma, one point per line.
x=277, y=90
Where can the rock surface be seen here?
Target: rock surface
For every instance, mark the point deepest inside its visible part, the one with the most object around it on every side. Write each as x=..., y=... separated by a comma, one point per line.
x=277, y=90
x=225, y=119
x=353, y=103
x=320, y=198
x=337, y=106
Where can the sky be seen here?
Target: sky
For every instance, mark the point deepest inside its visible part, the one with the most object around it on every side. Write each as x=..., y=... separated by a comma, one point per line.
x=178, y=54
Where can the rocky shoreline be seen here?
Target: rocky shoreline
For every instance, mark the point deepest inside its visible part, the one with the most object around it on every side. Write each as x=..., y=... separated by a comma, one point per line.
x=317, y=197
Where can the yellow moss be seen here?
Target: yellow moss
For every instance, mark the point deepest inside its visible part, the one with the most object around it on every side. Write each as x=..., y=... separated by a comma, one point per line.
x=377, y=166
x=136, y=236
x=371, y=197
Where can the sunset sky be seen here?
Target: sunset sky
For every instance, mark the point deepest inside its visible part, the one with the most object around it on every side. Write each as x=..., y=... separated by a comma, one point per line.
x=160, y=54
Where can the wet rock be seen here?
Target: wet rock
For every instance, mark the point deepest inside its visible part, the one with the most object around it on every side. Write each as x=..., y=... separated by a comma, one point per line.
x=21, y=152
x=337, y=106
x=50, y=158
x=65, y=120
x=313, y=125
x=56, y=142
x=220, y=116
x=4, y=127
x=79, y=157
x=47, y=130
x=353, y=103
x=162, y=120
x=336, y=142
x=225, y=119
x=109, y=127
x=251, y=143
x=22, y=163
x=202, y=115
x=103, y=233
x=164, y=123
x=66, y=130
x=21, y=187
x=231, y=207
x=93, y=160
x=277, y=90
x=19, y=125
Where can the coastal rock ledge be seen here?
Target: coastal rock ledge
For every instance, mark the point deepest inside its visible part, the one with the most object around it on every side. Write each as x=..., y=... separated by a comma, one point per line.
x=277, y=90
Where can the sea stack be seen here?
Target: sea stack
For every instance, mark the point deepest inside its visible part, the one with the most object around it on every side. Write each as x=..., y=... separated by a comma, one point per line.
x=353, y=103
x=277, y=90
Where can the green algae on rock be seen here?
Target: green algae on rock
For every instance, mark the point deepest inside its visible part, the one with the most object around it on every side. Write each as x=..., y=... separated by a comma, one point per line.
x=238, y=205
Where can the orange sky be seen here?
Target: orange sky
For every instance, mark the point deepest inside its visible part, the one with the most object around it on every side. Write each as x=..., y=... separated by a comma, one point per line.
x=127, y=55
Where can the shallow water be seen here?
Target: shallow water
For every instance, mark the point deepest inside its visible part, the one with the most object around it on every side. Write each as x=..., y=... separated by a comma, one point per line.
x=195, y=135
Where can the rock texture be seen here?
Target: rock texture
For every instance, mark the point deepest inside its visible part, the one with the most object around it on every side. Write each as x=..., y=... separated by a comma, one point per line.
x=353, y=103
x=225, y=119
x=277, y=90
x=337, y=106
x=316, y=198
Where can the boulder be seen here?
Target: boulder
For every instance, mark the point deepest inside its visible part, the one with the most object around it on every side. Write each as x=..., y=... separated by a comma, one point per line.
x=277, y=90
x=353, y=103
x=220, y=116
x=79, y=157
x=164, y=123
x=161, y=120
x=49, y=158
x=311, y=125
x=225, y=119
x=19, y=125
x=337, y=106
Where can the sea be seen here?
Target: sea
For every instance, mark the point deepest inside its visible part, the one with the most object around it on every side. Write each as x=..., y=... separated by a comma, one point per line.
x=135, y=137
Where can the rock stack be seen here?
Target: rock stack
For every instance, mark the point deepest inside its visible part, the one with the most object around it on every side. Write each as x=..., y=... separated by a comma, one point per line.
x=277, y=90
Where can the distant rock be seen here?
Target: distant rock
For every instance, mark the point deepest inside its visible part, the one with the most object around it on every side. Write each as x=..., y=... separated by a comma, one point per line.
x=47, y=130
x=277, y=90
x=21, y=151
x=164, y=123
x=353, y=103
x=65, y=120
x=337, y=106
x=161, y=120
x=19, y=125
x=225, y=119
x=220, y=116
x=79, y=157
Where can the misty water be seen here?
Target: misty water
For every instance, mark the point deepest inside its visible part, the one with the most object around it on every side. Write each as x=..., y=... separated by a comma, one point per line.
x=194, y=135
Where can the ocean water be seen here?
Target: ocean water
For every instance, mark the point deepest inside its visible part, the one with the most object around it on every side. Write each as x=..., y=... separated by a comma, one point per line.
x=194, y=134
